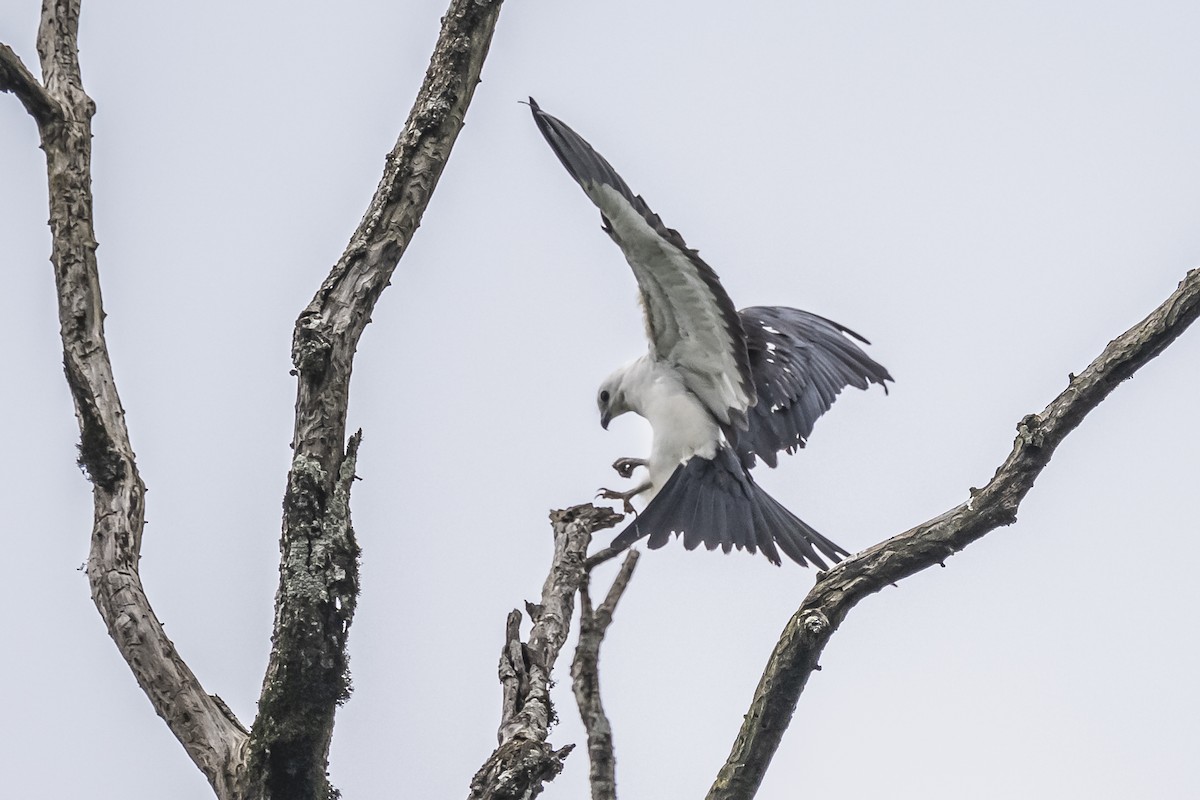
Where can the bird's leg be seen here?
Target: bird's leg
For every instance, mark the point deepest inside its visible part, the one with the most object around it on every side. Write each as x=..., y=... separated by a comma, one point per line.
x=624, y=497
x=626, y=466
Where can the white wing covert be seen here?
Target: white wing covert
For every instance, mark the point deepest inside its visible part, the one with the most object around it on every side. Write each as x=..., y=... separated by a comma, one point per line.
x=690, y=321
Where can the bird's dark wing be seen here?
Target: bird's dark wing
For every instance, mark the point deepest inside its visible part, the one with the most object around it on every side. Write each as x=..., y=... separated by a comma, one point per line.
x=716, y=503
x=690, y=321
x=800, y=363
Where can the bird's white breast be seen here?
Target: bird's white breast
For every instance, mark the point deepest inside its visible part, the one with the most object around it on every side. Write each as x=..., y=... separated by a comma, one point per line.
x=682, y=426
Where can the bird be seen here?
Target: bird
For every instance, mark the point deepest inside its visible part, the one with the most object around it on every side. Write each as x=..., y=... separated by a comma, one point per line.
x=721, y=388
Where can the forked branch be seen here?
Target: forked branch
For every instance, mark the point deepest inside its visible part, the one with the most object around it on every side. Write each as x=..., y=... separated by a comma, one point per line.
x=585, y=679
x=839, y=590
x=15, y=78
x=524, y=761
x=286, y=754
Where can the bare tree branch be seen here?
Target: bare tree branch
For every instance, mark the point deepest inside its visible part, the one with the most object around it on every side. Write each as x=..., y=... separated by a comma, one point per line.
x=15, y=78
x=524, y=760
x=837, y=591
x=285, y=757
x=585, y=675
x=605, y=554
x=307, y=676
x=211, y=736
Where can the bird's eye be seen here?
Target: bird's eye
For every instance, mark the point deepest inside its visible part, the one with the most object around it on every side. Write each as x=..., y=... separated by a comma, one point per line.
x=604, y=396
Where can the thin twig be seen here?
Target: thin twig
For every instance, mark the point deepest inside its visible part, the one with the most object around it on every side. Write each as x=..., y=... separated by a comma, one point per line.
x=585, y=674
x=615, y=592
x=837, y=591
x=600, y=556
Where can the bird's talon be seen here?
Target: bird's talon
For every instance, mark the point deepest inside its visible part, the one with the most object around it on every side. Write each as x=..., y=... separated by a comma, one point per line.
x=626, y=466
x=610, y=494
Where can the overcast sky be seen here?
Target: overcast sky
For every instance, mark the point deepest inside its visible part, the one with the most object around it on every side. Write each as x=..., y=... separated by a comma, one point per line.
x=989, y=192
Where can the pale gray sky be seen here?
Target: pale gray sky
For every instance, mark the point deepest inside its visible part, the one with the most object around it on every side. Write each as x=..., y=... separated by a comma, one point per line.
x=990, y=192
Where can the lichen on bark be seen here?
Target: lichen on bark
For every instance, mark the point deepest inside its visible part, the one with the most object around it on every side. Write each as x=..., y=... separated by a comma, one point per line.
x=308, y=676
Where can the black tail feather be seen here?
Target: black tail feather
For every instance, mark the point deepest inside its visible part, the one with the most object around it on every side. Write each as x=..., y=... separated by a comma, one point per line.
x=717, y=503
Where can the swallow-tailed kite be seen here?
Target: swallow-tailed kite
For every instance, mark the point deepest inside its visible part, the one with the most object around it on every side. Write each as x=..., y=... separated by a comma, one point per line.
x=720, y=388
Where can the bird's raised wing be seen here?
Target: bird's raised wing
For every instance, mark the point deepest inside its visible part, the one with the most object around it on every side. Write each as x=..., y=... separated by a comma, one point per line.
x=690, y=320
x=800, y=363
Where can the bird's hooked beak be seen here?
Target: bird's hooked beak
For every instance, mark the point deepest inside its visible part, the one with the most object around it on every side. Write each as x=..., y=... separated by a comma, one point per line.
x=605, y=418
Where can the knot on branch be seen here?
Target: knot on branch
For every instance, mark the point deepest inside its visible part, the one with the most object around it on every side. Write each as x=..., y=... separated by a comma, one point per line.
x=1029, y=431
x=815, y=623
x=310, y=346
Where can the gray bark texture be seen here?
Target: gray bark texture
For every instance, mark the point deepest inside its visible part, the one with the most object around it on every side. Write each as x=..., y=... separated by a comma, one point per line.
x=841, y=588
x=318, y=579
x=585, y=679
x=284, y=755
x=213, y=739
x=524, y=761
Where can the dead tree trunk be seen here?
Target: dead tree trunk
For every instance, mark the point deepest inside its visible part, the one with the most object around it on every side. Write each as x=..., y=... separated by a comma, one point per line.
x=285, y=753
